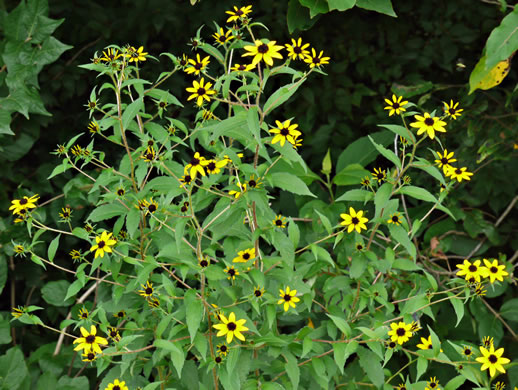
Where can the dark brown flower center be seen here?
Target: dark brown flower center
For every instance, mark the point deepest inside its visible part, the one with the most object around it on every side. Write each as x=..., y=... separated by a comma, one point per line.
x=263, y=48
x=252, y=183
x=120, y=192
x=400, y=332
x=218, y=359
x=395, y=105
x=316, y=60
x=23, y=201
x=152, y=208
x=359, y=247
x=429, y=122
x=258, y=293
x=84, y=315
x=287, y=297
x=162, y=105
x=395, y=219
x=285, y=132
x=492, y=359
x=201, y=91
x=444, y=160
x=198, y=66
x=278, y=222
x=231, y=272
x=113, y=333
x=90, y=339
x=246, y=256
x=223, y=348
x=458, y=171
x=297, y=49
x=355, y=221
x=239, y=12
x=149, y=290
x=204, y=263
x=101, y=244
x=452, y=111
x=472, y=268
x=493, y=270
x=90, y=356
x=242, y=67
x=231, y=326
x=211, y=166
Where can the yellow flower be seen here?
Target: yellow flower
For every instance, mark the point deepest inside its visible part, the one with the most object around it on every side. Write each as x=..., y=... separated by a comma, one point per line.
x=288, y=298
x=253, y=183
x=395, y=219
x=279, y=221
x=222, y=349
x=396, y=105
x=230, y=327
x=212, y=166
x=425, y=343
x=238, y=13
x=17, y=312
x=400, y=332
x=196, y=166
x=223, y=37
x=428, y=124
x=467, y=352
x=114, y=334
x=493, y=360
x=444, y=161
x=314, y=60
x=149, y=155
x=263, y=52
x=458, y=173
x=135, y=55
x=451, y=109
x=285, y=131
x=242, y=68
x=379, y=174
x=232, y=272
x=89, y=356
x=244, y=256
x=93, y=127
x=198, y=65
x=103, y=244
x=354, y=220
x=495, y=271
x=237, y=194
x=151, y=205
x=65, y=214
x=116, y=385
x=89, y=341
x=472, y=271
x=83, y=314
x=147, y=290
x=258, y=292
x=110, y=55
x=433, y=384
x=297, y=50
x=24, y=204
x=200, y=91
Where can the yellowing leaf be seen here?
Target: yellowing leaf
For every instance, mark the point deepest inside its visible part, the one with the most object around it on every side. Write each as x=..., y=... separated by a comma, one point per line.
x=495, y=76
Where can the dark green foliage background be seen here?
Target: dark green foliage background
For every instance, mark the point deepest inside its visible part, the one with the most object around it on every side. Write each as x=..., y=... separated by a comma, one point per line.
x=371, y=54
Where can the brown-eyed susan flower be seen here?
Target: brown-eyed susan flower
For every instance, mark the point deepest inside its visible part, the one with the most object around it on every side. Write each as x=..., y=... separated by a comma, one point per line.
x=242, y=68
x=391, y=344
x=116, y=385
x=279, y=221
x=253, y=182
x=297, y=142
x=395, y=219
x=425, y=343
x=103, y=245
x=487, y=341
x=354, y=220
x=185, y=180
x=379, y=174
x=89, y=341
x=401, y=386
x=231, y=327
x=200, y=91
x=238, y=13
x=153, y=302
x=25, y=203
x=288, y=298
x=244, y=255
x=208, y=115
x=185, y=207
x=415, y=327
x=445, y=160
x=285, y=131
x=258, y=292
x=91, y=105
x=480, y=290
x=366, y=182
x=120, y=191
x=111, y=54
x=89, y=228
x=196, y=166
x=428, y=124
x=147, y=290
x=150, y=205
x=297, y=50
x=183, y=62
x=359, y=246
x=458, y=173
x=17, y=312
x=400, y=332
x=198, y=65
x=237, y=194
x=22, y=216
x=114, y=334
x=316, y=60
x=94, y=128
x=263, y=52
x=472, y=271
x=222, y=349
x=232, y=272
x=204, y=262
x=223, y=37
x=218, y=359
x=396, y=105
x=123, y=235
x=433, y=384
x=89, y=356
x=136, y=55
x=83, y=314
x=65, y=214
x=19, y=250
x=467, y=352
x=120, y=314
x=495, y=271
x=149, y=155
x=500, y=386
x=213, y=166
x=493, y=360
x=452, y=109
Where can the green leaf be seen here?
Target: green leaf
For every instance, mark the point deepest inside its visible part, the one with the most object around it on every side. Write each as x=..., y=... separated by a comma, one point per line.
x=293, y=233
x=5, y=331
x=341, y=5
x=252, y=119
x=356, y=195
x=402, y=131
x=458, y=306
x=177, y=355
x=236, y=127
x=352, y=174
x=371, y=365
x=405, y=265
x=107, y=211
x=13, y=369
x=388, y=154
x=503, y=40
x=54, y=293
x=194, y=310
x=53, y=247
x=362, y=151
x=428, y=167
x=3, y=272
x=50, y=51
x=5, y=122
x=293, y=370
x=455, y=383
x=341, y=324
x=315, y=7
x=342, y=351
x=381, y=199
x=298, y=17
x=509, y=310
x=418, y=193
x=280, y=96
x=131, y=112
x=381, y=6
x=399, y=234
x=284, y=245
x=289, y=182
x=422, y=365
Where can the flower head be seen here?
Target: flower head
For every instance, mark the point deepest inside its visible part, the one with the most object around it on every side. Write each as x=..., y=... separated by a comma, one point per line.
x=65, y=214
x=288, y=298
x=222, y=349
x=316, y=60
x=147, y=290
x=458, y=173
x=451, y=109
x=253, y=182
x=120, y=314
x=17, y=312
x=150, y=206
x=495, y=271
x=242, y=68
x=89, y=341
x=395, y=219
x=263, y=52
x=428, y=124
x=244, y=256
x=17, y=205
x=111, y=54
x=231, y=327
x=433, y=384
x=380, y=175
x=238, y=13
x=149, y=155
x=200, y=91
x=116, y=385
x=492, y=359
x=258, y=292
x=487, y=341
x=114, y=334
x=103, y=244
x=89, y=356
x=467, y=352
x=285, y=131
x=94, y=127
x=83, y=314
x=396, y=105
x=223, y=37
x=297, y=50
x=472, y=271
x=354, y=220
x=400, y=332
x=136, y=55
x=196, y=166
x=279, y=221
x=425, y=343
x=213, y=166
x=444, y=161
x=232, y=272
x=198, y=65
